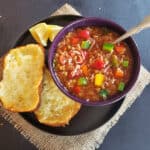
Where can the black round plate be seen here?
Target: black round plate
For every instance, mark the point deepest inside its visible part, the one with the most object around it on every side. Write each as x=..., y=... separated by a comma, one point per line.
x=88, y=118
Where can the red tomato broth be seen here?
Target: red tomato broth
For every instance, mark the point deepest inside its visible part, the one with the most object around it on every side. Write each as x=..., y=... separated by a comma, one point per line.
x=71, y=58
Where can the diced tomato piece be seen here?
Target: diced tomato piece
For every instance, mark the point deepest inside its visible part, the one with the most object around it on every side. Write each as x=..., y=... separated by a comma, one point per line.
x=85, y=34
x=120, y=49
x=76, y=89
x=119, y=73
x=74, y=40
x=84, y=69
x=98, y=64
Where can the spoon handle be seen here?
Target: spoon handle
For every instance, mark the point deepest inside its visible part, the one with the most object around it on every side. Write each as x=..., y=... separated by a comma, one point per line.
x=143, y=25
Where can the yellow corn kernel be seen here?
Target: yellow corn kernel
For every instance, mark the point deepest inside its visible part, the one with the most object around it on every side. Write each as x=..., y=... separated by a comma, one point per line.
x=99, y=79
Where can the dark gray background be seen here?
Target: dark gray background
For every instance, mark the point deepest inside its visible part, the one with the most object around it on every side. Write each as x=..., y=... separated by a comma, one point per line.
x=133, y=130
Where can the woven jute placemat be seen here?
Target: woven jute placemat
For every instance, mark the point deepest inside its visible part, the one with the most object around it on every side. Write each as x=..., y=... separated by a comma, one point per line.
x=87, y=141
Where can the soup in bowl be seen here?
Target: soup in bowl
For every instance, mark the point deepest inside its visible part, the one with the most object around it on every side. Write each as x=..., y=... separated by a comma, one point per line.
x=87, y=67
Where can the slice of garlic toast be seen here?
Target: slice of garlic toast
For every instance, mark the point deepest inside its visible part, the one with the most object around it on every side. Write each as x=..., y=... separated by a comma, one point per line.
x=55, y=108
x=21, y=80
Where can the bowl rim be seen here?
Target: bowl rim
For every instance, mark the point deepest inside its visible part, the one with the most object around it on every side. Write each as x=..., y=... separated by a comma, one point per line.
x=62, y=33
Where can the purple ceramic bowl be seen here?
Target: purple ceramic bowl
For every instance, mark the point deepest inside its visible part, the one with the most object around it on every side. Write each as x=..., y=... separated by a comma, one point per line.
x=92, y=21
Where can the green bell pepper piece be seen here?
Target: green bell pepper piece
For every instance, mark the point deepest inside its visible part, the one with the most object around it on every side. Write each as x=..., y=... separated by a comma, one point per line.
x=82, y=81
x=85, y=44
x=125, y=63
x=115, y=61
x=108, y=47
x=104, y=93
x=121, y=86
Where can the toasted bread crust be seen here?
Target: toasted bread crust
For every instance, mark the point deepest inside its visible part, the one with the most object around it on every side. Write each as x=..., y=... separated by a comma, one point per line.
x=59, y=123
x=59, y=108
x=13, y=107
x=1, y=72
x=1, y=67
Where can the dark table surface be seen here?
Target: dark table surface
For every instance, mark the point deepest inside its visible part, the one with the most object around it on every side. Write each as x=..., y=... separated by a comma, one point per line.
x=133, y=130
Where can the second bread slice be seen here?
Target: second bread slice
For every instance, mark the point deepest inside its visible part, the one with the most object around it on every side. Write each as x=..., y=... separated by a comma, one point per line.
x=55, y=109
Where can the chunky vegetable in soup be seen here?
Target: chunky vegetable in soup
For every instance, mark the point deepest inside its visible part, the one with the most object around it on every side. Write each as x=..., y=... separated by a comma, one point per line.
x=90, y=66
